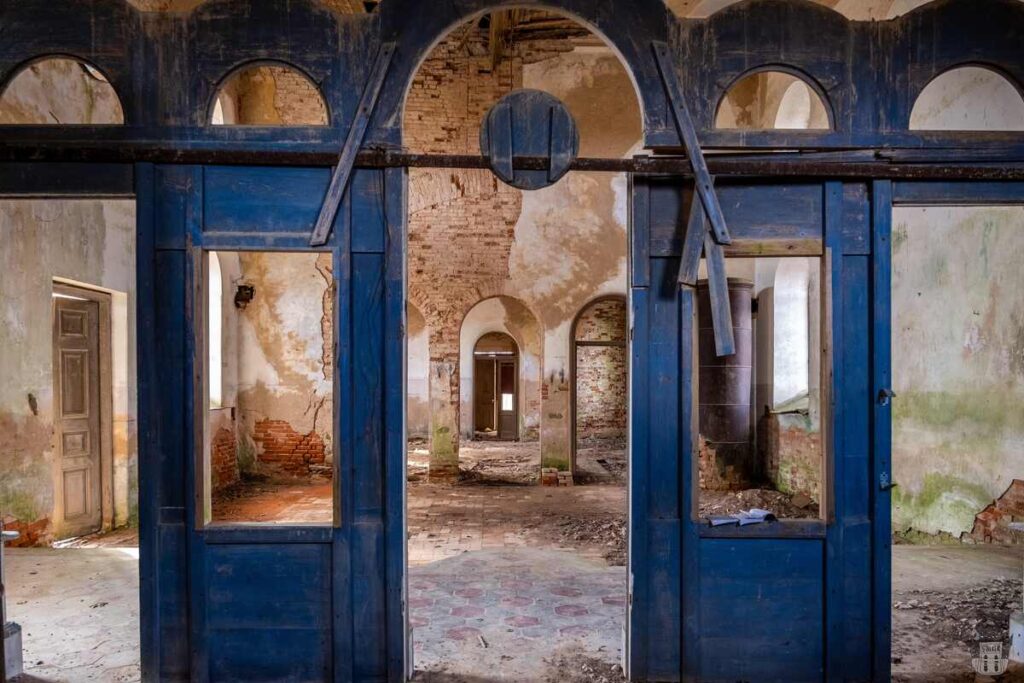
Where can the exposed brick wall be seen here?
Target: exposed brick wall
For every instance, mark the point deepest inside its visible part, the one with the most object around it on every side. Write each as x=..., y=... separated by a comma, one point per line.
x=992, y=524
x=602, y=371
x=604, y=321
x=601, y=391
x=31, y=533
x=223, y=459
x=287, y=451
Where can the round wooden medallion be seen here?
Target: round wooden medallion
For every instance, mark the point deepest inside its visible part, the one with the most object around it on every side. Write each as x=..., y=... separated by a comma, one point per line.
x=529, y=123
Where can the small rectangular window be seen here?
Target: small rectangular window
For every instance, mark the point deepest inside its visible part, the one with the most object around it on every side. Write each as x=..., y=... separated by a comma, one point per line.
x=269, y=443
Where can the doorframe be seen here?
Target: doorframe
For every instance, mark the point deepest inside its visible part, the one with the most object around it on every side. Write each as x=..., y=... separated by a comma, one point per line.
x=106, y=404
x=496, y=409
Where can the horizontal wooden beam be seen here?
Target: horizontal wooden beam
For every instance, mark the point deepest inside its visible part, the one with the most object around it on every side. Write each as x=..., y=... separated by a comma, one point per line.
x=849, y=164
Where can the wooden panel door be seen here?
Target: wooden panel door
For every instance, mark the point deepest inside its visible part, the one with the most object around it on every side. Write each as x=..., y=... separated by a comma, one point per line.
x=507, y=430
x=483, y=395
x=76, y=333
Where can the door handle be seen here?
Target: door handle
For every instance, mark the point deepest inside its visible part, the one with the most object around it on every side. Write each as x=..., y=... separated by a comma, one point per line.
x=886, y=484
x=885, y=396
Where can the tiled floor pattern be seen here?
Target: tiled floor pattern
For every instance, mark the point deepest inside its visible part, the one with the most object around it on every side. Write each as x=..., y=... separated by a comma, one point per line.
x=499, y=614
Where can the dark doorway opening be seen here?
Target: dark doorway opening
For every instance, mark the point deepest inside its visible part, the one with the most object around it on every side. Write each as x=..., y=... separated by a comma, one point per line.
x=495, y=388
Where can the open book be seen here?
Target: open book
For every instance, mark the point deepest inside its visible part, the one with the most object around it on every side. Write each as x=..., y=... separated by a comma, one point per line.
x=743, y=518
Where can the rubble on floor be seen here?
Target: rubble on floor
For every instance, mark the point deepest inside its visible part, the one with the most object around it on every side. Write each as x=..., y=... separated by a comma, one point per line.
x=977, y=614
x=578, y=667
x=782, y=505
x=607, y=532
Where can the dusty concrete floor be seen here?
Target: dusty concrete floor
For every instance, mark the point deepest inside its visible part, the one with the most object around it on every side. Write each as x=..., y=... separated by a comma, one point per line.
x=79, y=612
x=946, y=599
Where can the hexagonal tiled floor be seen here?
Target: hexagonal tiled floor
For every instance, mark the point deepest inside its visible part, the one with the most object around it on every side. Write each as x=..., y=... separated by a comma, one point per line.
x=499, y=614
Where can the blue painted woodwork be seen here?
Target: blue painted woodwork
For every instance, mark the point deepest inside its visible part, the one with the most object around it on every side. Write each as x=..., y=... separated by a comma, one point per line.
x=166, y=67
x=529, y=123
x=787, y=602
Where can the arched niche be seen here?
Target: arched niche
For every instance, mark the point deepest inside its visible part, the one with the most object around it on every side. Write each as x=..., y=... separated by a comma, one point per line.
x=773, y=99
x=969, y=98
x=60, y=90
x=268, y=94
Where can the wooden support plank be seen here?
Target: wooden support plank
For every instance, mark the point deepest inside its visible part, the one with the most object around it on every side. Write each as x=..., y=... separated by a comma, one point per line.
x=881, y=285
x=499, y=133
x=688, y=133
x=718, y=288
x=563, y=144
x=640, y=234
x=353, y=142
x=395, y=210
x=693, y=245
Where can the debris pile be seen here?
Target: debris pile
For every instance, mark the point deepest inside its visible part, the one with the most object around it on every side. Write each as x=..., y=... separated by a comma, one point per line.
x=782, y=505
x=608, y=532
x=973, y=615
x=580, y=668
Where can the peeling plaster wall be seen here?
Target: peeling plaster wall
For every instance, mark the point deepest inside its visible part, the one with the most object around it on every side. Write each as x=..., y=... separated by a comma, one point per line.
x=59, y=91
x=958, y=363
x=284, y=390
x=90, y=242
x=417, y=373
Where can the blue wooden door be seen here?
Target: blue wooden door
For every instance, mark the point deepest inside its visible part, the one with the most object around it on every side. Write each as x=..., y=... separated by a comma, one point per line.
x=792, y=601
x=272, y=603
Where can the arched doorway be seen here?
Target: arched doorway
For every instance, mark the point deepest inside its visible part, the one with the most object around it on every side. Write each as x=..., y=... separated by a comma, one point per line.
x=495, y=388
x=600, y=389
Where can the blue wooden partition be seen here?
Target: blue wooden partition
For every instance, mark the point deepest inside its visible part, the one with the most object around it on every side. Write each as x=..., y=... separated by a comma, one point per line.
x=259, y=603
x=789, y=602
x=784, y=602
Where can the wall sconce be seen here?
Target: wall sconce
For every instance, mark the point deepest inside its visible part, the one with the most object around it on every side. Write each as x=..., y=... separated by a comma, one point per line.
x=243, y=295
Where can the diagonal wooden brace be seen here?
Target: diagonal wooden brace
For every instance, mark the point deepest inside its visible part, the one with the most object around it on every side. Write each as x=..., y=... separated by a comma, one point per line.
x=343, y=171
x=718, y=291
x=693, y=244
x=688, y=134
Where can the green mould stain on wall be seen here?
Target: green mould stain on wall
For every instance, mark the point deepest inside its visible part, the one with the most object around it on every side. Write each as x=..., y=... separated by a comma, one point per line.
x=958, y=364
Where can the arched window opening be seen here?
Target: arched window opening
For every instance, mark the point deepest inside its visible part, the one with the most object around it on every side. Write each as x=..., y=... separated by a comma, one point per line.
x=60, y=91
x=215, y=365
x=767, y=100
x=969, y=98
x=268, y=95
